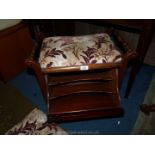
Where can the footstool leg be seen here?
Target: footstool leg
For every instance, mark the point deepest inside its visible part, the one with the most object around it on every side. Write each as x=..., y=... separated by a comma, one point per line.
x=147, y=108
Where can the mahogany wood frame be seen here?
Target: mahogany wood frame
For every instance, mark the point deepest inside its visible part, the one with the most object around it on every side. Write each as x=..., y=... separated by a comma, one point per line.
x=72, y=94
x=15, y=46
x=143, y=27
x=147, y=108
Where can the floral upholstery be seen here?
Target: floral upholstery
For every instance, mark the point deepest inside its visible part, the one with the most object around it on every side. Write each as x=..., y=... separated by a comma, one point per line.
x=35, y=123
x=78, y=50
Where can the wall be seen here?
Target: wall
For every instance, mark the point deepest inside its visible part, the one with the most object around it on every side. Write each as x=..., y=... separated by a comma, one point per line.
x=6, y=23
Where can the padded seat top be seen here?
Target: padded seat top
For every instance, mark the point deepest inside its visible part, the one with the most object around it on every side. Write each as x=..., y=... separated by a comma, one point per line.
x=63, y=51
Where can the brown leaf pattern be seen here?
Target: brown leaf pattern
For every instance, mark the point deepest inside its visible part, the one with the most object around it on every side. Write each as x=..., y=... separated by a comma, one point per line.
x=35, y=124
x=31, y=128
x=68, y=51
x=54, y=52
x=88, y=56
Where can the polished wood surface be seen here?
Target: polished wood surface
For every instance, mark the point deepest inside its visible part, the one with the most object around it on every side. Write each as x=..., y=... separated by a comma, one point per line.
x=145, y=38
x=29, y=63
x=86, y=115
x=15, y=46
x=147, y=108
x=78, y=68
x=145, y=29
x=134, y=25
x=72, y=94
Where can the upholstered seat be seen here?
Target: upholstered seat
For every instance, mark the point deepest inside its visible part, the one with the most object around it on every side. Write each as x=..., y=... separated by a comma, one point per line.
x=80, y=76
x=79, y=50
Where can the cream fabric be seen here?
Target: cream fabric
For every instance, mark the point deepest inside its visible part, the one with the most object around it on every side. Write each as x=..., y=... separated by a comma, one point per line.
x=35, y=123
x=78, y=50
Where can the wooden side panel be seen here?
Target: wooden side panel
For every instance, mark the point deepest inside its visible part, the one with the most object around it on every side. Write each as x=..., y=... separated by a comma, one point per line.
x=15, y=46
x=83, y=96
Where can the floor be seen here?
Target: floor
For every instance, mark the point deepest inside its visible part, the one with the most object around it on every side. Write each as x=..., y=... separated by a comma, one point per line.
x=145, y=124
x=13, y=107
x=28, y=86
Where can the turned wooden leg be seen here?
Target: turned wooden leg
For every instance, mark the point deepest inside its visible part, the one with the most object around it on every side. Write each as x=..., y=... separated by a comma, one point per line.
x=134, y=69
x=142, y=47
x=147, y=108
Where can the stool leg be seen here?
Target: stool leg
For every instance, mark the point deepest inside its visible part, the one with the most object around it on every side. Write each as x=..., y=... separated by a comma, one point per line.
x=132, y=77
x=142, y=47
x=147, y=108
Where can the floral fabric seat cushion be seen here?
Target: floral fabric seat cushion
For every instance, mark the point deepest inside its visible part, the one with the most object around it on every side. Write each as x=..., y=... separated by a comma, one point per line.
x=79, y=50
x=35, y=123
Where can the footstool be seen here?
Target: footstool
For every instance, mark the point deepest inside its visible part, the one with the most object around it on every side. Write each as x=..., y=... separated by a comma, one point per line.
x=80, y=76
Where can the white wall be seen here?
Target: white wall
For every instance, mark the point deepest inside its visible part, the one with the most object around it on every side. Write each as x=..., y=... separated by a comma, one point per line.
x=6, y=23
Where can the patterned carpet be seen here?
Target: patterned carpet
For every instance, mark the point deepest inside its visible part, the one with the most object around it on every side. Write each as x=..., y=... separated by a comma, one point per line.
x=145, y=124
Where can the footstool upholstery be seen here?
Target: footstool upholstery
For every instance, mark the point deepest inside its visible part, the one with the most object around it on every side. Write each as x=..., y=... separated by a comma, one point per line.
x=80, y=76
x=79, y=50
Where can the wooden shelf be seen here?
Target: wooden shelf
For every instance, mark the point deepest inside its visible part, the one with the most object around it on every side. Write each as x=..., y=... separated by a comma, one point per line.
x=90, y=95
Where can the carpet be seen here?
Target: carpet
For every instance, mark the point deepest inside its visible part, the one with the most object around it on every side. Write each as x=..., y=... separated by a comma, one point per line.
x=145, y=124
x=35, y=123
x=13, y=106
x=106, y=126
